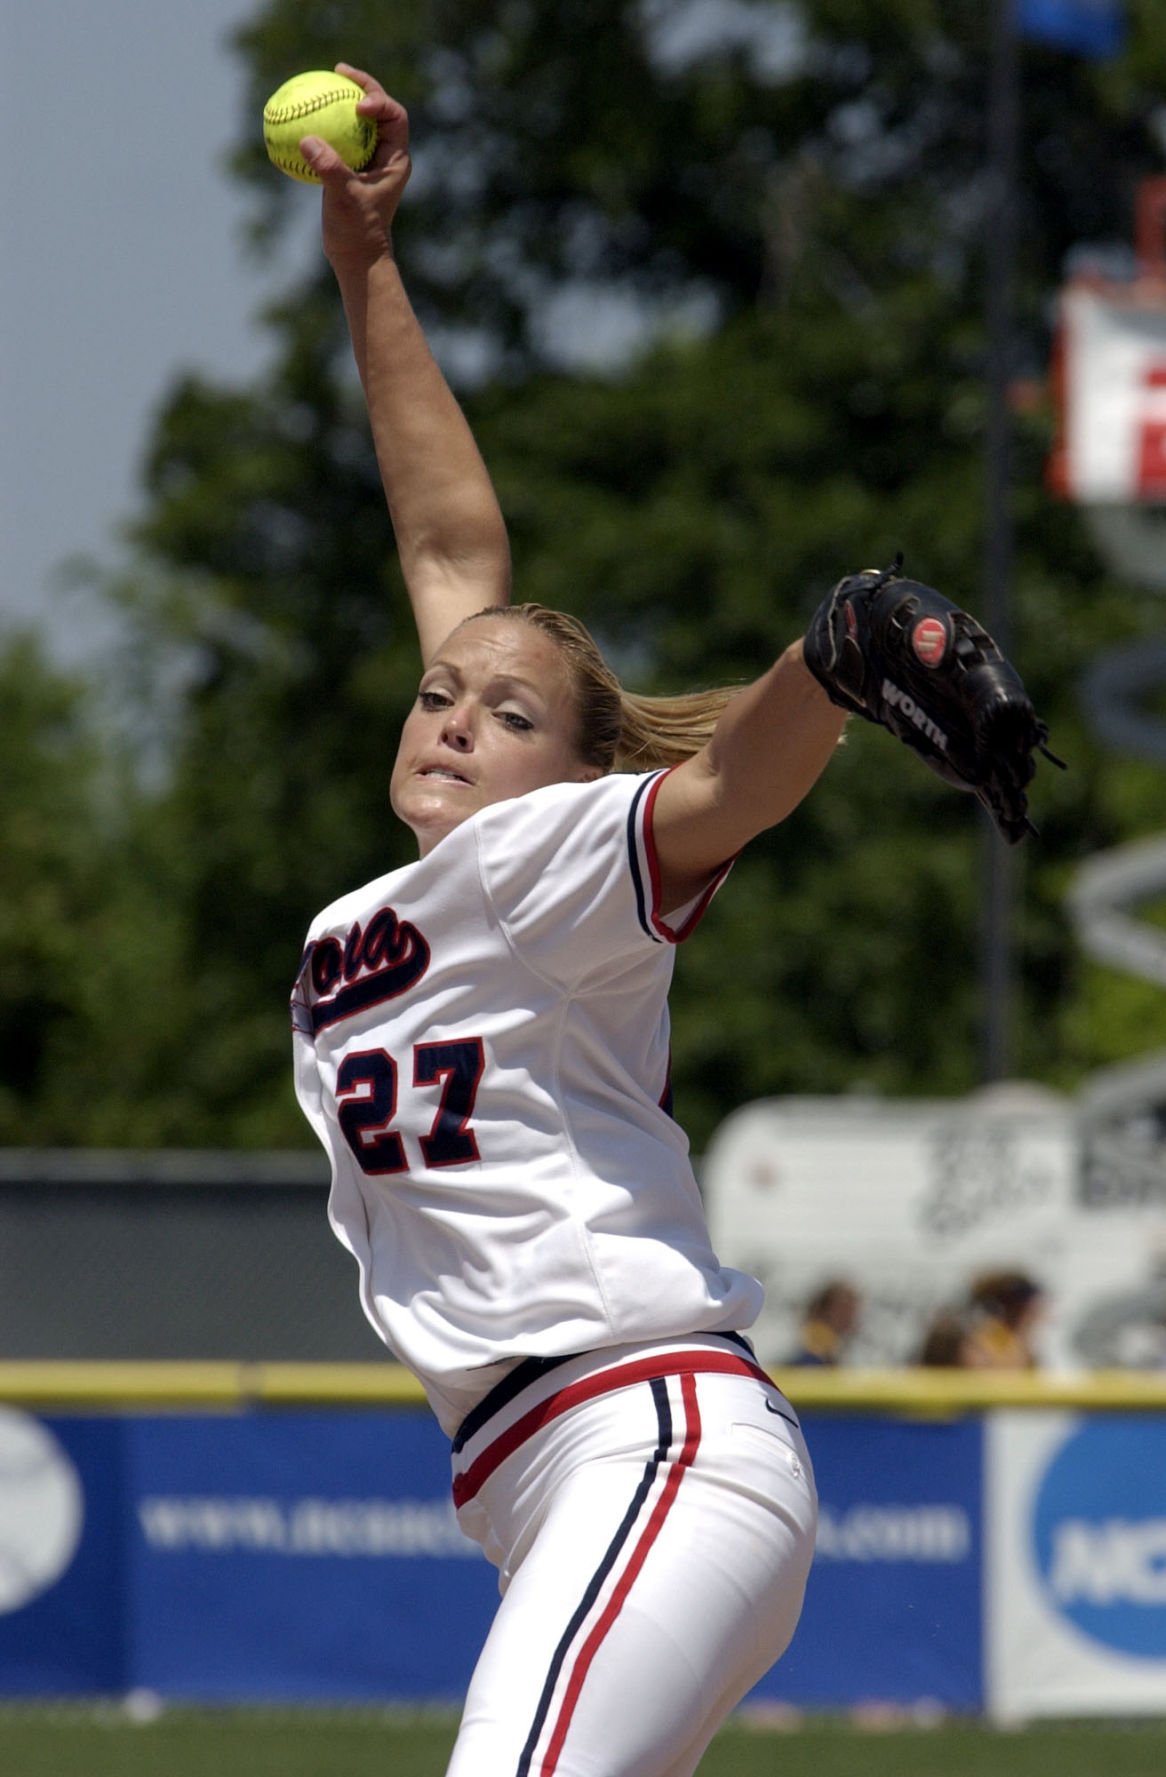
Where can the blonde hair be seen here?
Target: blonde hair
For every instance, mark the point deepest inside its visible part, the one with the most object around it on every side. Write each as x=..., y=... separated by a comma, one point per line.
x=620, y=731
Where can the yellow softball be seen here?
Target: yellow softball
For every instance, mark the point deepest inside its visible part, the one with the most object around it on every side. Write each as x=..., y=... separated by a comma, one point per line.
x=316, y=104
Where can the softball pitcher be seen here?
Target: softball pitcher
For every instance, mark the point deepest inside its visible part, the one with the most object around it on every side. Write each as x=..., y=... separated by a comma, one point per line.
x=481, y=1044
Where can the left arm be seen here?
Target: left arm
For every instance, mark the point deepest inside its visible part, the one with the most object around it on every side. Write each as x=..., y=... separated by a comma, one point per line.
x=889, y=649
x=769, y=748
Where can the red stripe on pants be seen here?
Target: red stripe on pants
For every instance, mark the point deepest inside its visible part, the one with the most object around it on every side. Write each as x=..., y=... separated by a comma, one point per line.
x=628, y=1578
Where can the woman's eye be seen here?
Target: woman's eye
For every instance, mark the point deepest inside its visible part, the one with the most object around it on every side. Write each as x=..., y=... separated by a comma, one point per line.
x=433, y=700
x=514, y=720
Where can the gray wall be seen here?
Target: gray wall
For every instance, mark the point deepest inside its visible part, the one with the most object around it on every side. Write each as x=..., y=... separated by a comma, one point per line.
x=174, y=1255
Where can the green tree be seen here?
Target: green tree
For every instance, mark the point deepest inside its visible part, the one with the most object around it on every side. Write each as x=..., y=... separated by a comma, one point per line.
x=791, y=220
x=58, y=849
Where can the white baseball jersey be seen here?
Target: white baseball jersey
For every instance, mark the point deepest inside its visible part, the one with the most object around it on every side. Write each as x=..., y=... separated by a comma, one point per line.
x=482, y=1047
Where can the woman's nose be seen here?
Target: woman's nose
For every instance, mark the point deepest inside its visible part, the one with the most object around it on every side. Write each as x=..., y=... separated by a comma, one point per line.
x=456, y=731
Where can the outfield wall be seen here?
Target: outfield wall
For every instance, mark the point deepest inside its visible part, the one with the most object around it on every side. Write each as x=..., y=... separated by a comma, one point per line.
x=246, y=1533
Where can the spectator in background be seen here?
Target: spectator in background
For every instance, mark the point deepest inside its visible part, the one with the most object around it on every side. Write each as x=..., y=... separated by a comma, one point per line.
x=831, y=1319
x=946, y=1343
x=1004, y=1311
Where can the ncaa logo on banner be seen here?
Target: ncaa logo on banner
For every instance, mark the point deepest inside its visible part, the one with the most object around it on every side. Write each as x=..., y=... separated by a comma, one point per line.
x=1099, y=1534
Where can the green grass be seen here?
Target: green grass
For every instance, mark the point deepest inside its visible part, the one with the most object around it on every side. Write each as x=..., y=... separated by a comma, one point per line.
x=254, y=1743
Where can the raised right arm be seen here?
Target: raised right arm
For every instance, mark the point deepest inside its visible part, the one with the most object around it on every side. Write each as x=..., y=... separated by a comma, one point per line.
x=450, y=533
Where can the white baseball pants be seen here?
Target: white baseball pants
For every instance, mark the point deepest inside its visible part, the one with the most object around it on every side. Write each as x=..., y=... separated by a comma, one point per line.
x=651, y=1511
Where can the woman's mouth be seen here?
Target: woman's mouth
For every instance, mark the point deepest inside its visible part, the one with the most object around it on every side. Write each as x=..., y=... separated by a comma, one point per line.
x=443, y=774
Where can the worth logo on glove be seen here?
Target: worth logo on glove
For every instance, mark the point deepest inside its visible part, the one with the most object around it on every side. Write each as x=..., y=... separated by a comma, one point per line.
x=897, y=699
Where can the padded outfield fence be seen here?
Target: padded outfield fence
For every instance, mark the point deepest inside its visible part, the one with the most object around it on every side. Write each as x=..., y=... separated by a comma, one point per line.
x=259, y=1513
x=282, y=1533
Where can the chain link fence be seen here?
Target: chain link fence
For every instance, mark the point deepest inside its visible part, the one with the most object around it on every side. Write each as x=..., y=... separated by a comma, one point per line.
x=123, y=1256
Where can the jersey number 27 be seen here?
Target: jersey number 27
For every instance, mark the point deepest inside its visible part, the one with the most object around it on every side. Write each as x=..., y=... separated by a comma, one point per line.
x=366, y=1105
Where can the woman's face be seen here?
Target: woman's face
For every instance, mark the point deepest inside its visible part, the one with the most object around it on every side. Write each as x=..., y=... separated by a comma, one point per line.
x=494, y=717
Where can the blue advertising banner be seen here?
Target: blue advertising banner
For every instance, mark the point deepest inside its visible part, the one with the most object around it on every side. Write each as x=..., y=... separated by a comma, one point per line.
x=314, y=1556
x=1077, y=1564
x=893, y=1609
x=1099, y=1535
x=62, y=1597
x=306, y=1555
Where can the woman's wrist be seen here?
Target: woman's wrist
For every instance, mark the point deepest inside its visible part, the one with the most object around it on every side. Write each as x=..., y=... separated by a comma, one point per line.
x=358, y=259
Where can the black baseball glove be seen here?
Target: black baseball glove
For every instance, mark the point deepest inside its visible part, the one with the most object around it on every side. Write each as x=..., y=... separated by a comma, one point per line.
x=904, y=656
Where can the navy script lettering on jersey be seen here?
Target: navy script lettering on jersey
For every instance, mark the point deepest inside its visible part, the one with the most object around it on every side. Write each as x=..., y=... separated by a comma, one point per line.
x=376, y=962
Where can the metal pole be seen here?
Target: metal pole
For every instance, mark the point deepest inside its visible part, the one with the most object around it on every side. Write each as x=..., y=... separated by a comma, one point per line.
x=996, y=871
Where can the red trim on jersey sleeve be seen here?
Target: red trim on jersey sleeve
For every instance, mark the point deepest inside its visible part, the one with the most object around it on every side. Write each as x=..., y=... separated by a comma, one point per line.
x=659, y=921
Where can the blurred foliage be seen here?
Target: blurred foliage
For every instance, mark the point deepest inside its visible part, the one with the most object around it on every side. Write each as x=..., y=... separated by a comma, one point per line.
x=784, y=207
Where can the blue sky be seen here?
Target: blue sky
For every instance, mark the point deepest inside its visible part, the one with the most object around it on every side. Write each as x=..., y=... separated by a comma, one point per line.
x=122, y=262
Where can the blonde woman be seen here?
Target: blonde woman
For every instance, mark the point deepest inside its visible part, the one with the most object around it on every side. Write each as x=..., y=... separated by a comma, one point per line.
x=482, y=1048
